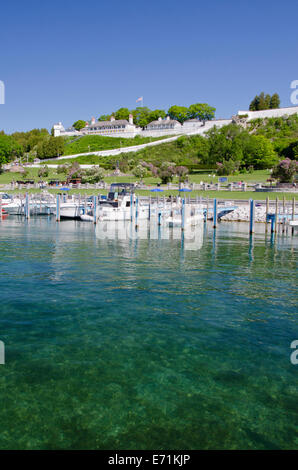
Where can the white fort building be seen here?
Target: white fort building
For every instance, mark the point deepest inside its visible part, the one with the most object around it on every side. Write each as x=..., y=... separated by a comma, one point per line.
x=163, y=127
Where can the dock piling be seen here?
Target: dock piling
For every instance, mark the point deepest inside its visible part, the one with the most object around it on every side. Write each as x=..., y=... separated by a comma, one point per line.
x=293, y=213
x=251, y=216
x=267, y=212
x=276, y=214
x=94, y=208
x=27, y=206
x=214, y=213
x=58, y=208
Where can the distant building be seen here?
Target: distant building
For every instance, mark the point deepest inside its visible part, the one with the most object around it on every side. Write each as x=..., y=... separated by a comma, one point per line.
x=163, y=124
x=163, y=127
x=113, y=127
x=60, y=131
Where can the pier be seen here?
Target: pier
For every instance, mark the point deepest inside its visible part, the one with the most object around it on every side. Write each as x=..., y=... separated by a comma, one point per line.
x=278, y=216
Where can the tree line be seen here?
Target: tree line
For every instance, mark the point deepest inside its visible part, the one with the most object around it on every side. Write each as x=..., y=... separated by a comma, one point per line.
x=143, y=115
x=262, y=101
x=37, y=143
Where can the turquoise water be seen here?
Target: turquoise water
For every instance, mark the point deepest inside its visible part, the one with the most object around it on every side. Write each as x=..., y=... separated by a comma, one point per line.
x=114, y=344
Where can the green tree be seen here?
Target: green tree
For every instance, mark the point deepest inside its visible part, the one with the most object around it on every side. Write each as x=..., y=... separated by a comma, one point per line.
x=155, y=114
x=141, y=116
x=78, y=125
x=92, y=175
x=104, y=117
x=180, y=113
x=166, y=172
x=43, y=172
x=262, y=101
x=227, y=167
x=122, y=113
x=254, y=105
x=50, y=148
x=9, y=149
x=140, y=171
x=259, y=152
x=275, y=101
x=201, y=111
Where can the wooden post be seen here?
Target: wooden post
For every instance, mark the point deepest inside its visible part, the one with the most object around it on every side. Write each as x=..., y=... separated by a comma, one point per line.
x=276, y=214
x=214, y=213
x=273, y=224
x=131, y=207
x=58, y=208
x=293, y=213
x=27, y=207
x=284, y=214
x=137, y=207
x=251, y=216
x=183, y=215
x=94, y=208
x=267, y=212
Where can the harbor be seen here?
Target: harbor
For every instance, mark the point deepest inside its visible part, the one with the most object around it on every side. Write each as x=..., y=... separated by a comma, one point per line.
x=121, y=203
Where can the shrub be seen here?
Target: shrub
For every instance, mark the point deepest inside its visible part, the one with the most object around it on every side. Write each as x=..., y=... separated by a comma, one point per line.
x=227, y=167
x=285, y=170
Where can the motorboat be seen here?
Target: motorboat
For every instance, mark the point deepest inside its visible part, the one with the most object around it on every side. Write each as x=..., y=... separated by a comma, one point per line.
x=121, y=204
x=74, y=210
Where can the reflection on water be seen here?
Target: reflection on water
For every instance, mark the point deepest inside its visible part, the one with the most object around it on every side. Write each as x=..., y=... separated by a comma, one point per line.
x=148, y=340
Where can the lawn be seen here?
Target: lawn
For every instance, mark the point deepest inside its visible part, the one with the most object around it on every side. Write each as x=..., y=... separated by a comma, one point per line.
x=257, y=176
x=95, y=143
x=227, y=195
x=7, y=177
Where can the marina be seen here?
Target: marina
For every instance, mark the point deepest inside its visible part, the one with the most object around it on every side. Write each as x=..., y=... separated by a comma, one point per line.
x=122, y=204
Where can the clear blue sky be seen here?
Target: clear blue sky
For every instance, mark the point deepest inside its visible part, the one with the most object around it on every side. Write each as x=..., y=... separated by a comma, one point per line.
x=68, y=60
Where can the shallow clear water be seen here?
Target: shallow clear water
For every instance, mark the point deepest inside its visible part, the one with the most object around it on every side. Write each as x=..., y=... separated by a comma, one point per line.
x=143, y=344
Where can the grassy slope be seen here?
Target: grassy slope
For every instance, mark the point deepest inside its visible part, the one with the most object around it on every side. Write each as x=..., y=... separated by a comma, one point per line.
x=94, y=143
x=275, y=129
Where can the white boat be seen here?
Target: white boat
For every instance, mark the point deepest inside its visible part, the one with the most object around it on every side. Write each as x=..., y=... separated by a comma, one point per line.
x=73, y=210
x=37, y=207
x=120, y=205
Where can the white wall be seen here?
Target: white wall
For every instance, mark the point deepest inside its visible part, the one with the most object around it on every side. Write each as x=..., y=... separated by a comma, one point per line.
x=268, y=113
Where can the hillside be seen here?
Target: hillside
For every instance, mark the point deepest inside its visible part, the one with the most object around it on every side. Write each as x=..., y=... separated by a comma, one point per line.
x=259, y=145
x=95, y=143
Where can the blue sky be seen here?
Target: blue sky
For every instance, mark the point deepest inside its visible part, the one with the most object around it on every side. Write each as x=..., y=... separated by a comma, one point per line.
x=69, y=60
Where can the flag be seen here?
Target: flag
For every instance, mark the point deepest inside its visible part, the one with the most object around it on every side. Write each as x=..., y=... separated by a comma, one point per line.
x=139, y=99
